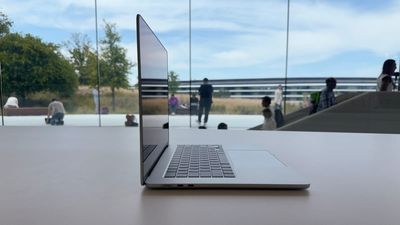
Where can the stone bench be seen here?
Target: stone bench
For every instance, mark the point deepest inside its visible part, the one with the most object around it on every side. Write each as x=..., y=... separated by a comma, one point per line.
x=28, y=111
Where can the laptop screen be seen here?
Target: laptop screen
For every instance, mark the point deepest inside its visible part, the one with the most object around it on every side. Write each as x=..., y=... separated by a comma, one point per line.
x=153, y=96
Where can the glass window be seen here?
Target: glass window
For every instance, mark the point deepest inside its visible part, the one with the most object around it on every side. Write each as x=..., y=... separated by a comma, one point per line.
x=234, y=42
x=35, y=53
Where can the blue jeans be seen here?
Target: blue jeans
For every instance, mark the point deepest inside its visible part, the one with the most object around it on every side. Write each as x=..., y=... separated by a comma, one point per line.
x=173, y=108
x=204, y=106
x=56, y=118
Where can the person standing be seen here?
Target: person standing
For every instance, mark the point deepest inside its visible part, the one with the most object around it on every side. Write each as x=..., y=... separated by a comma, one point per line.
x=385, y=81
x=327, y=97
x=173, y=104
x=205, y=93
x=56, y=111
x=95, y=94
x=278, y=97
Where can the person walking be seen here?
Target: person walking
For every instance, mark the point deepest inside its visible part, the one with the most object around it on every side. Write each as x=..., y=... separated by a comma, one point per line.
x=205, y=93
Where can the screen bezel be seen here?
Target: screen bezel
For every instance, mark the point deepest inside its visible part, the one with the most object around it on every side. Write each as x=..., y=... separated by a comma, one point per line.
x=144, y=173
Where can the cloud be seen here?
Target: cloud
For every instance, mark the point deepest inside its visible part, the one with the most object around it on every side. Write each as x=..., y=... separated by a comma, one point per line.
x=232, y=34
x=323, y=31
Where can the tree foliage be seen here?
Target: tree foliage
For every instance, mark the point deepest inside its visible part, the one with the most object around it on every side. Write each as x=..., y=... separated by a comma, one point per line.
x=5, y=24
x=30, y=65
x=81, y=57
x=114, y=63
x=173, y=82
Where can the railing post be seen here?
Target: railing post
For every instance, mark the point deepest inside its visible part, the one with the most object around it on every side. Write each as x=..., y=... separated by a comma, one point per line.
x=1, y=97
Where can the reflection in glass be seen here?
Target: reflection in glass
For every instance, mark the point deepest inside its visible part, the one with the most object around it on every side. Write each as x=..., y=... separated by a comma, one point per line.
x=153, y=92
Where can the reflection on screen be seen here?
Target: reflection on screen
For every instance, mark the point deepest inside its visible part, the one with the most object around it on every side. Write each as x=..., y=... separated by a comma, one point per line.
x=153, y=92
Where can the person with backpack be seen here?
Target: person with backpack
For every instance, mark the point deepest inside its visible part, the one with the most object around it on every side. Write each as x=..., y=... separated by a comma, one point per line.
x=314, y=100
x=327, y=97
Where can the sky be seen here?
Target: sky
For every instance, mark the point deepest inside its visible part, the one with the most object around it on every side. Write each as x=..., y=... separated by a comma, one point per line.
x=234, y=38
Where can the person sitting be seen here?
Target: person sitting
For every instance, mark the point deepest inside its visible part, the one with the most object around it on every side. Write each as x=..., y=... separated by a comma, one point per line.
x=327, y=97
x=12, y=102
x=56, y=111
x=385, y=79
x=130, y=121
x=386, y=82
x=277, y=114
x=269, y=122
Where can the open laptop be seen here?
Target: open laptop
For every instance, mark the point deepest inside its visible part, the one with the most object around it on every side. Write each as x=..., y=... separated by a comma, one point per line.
x=209, y=165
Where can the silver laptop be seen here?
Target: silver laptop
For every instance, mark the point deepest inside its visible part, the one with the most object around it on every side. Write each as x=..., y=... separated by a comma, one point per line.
x=209, y=165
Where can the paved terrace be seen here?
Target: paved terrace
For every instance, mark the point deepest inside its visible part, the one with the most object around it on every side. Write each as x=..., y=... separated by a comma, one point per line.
x=234, y=121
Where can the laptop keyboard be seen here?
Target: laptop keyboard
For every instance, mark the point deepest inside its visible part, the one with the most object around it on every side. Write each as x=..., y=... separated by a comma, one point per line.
x=204, y=161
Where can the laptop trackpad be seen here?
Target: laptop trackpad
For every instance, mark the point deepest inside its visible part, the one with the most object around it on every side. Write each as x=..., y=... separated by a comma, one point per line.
x=254, y=160
x=258, y=166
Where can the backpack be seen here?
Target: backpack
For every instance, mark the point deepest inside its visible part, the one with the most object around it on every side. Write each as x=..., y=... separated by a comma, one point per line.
x=314, y=100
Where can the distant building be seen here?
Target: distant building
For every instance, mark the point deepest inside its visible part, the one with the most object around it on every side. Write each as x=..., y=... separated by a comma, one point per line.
x=296, y=88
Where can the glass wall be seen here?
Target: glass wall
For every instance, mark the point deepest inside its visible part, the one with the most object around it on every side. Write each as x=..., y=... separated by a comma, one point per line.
x=93, y=46
x=84, y=54
x=44, y=56
x=236, y=40
x=341, y=39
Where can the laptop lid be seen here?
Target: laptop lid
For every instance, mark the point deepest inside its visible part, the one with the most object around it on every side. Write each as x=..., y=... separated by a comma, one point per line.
x=153, y=97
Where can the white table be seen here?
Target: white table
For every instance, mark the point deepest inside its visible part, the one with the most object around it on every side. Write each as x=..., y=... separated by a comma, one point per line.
x=90, y=176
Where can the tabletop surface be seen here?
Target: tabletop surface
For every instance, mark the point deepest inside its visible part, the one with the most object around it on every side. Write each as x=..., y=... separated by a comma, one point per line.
x=81, y=175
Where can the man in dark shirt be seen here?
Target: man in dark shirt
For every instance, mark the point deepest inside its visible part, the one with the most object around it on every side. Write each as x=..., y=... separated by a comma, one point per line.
x=327, y=97
x=205, y=92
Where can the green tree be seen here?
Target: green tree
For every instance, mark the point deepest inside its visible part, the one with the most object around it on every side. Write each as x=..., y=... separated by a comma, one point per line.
x=173, y=82
x=80, y=50
x=91, y=69
x=114, y=65
x=5, y=24
x=30, y=65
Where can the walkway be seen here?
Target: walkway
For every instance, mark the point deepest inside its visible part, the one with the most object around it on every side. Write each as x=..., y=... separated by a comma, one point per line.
x=233, y=121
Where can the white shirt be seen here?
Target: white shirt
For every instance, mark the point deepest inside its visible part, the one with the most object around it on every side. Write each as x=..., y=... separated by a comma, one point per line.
x=11, y=102
x=379, y=83
x=278, y=96
x=269, y=124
